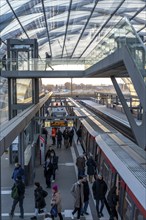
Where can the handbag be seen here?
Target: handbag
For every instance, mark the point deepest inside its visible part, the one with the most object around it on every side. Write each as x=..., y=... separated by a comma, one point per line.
x=54, y=211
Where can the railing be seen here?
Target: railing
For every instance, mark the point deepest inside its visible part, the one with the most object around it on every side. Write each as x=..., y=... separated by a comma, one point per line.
x=123, y=34
x=38, y=64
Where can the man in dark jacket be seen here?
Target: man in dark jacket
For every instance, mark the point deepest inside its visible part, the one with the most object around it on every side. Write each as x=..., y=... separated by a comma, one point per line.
x=112, y=199
x=79, y=134
x=71, y=135
x=86, y=192
x=59, y=138
x=39, y=196
x=66, y=137
x=91, y=168
x=19, y=197
x=99, y=189
x=80, y=163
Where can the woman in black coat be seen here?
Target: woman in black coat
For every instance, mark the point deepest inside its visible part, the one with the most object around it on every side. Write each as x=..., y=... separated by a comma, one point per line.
x=39, y=196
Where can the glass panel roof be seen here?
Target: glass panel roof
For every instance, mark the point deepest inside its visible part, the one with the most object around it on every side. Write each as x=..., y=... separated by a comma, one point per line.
x=67, y=28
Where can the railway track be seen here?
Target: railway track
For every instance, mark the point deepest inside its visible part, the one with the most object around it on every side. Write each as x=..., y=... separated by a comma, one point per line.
x=123, y=128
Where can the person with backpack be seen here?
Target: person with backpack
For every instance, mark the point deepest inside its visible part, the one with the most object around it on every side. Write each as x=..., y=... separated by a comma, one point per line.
x=39, y=196
x=17, y=194
x=112, y=199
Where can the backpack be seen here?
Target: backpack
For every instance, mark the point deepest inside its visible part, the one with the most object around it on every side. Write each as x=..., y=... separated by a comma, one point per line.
x=14, y=193
x=44, y=193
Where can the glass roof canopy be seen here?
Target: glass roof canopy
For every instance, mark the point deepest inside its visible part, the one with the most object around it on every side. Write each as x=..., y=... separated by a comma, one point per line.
x=67, y=28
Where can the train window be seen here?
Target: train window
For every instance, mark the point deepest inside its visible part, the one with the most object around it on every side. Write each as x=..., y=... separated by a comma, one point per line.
x=91, y=143
x=138, y=215
x=84, y=138
x=107, y=174
x=127, y=209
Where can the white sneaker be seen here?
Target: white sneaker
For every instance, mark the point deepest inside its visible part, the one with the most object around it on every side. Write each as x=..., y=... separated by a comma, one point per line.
x=72, y=216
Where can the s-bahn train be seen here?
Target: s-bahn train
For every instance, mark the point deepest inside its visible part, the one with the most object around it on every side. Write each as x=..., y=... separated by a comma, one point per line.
x=57, y=110
x=121, y=162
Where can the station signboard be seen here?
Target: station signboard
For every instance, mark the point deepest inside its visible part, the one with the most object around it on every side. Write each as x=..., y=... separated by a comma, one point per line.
x=59, y=123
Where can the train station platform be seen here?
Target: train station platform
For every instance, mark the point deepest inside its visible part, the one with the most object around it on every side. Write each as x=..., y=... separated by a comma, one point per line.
x=66, y=175
x=117, y=114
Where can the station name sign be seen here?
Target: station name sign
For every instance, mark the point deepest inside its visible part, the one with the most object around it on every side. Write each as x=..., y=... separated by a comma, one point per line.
x=59, y=123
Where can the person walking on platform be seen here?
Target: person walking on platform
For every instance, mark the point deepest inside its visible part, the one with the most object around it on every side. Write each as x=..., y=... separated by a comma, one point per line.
x=79, y=134
x=18, y=191
x=86, y=192
x=99, y=189
x=18, y=171
x=50, y=167
x=56, y=200
x=48, y=153
x=48, y=59
x=91, y=168
x=59, y=138
x=39, y=196
x=78, y=194
x=71, y=135
x=55, y=163
x=48, y=170
x=66, y=138
x=80, y=163
x=4, y=62
x=112, y=199
x=45, y=132
x=53, y=136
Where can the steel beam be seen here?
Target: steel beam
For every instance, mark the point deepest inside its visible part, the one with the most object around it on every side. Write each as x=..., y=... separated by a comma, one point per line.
x=67, y=23
x=43, y=74
x=101, y=28
x=138, y=130
x=58, y=118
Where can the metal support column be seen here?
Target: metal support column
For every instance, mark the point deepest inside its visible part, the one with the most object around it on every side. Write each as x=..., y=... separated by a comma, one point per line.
x=138, y=130
x=21, y=148
x=0, y=189
x=35, y=90
x=71, y=86
x=12, y=97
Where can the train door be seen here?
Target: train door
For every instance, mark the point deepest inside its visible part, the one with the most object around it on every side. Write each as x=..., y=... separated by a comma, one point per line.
x=127, y=207
x=137, y=214
x=122, y=187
